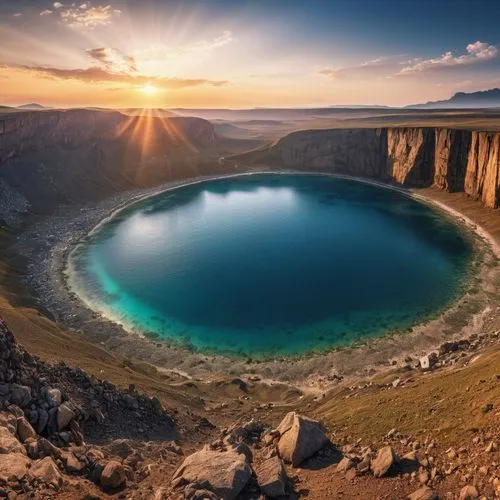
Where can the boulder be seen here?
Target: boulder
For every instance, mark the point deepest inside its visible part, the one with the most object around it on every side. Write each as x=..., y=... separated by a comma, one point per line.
x=24, y=430
x=364, y=466
x=13, y=467
x=20, y=395
x=130, y=402
x=345, y=464
x=73, y=464
x=225, y=473
x=196, y=491
x=424, y=493
x=113, y=475
x=300, y=438
x=385, y=459
x=54, y=397
x=46, y=471
x=43, y=418
x=271, y=477
x=9, y=443
x=468, y=492
x=427, y=362
x=8, y=421
x=64, y=416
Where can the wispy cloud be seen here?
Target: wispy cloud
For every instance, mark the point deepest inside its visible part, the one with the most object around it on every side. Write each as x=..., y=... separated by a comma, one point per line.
x=475, y=52
x=197, y=50
x=46, y=12
x=374, y=68
x=85, y=16
x=100, y=75
x=113, y=60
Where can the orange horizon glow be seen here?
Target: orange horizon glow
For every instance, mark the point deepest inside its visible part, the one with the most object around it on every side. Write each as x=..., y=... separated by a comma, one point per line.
x=105, y=55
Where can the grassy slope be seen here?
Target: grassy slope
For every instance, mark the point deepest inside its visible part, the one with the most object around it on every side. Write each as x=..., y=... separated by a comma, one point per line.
x=445, y=404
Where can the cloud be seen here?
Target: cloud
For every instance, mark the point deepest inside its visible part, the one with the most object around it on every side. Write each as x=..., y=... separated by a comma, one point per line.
x=113, y=60
x=475, y=52
x=209, y=45
x=374, y=68
x=195, y=51
x=17, y=14
x=100, y=75
x=57, y=5
x=88, y=17
x=46, y=12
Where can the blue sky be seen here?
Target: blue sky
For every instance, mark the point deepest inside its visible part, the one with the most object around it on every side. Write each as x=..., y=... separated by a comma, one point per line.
x=242, y=53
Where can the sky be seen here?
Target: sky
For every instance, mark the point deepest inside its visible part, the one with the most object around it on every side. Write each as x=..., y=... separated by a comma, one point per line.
x=245, y=53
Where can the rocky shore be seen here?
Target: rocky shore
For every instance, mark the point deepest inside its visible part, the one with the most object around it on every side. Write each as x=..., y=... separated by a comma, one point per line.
x=62, y=436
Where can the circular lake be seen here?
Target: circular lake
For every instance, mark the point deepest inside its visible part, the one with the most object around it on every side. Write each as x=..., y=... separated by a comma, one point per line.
x=268, y=264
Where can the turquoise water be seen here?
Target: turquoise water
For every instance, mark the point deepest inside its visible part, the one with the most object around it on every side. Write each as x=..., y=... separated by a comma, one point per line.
x=272, y=264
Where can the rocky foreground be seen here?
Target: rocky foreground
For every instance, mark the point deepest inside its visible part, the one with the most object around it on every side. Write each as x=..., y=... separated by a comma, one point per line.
x=59, y=430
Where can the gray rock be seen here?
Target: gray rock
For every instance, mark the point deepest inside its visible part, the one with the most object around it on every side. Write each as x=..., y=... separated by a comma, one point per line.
x=54, y=397
x=271, y=477
x=43, y=418
x=225, y=473
x=385, y=459
x=300, y=438
x=130, y=402
x=64, y=416
x=245, y=450
x=20, y=395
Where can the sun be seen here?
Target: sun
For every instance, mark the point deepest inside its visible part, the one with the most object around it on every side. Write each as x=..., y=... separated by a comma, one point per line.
x=149, y=89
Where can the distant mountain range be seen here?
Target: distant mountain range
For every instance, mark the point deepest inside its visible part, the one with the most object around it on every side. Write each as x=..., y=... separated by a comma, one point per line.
x=32, y=105
x=481, y=99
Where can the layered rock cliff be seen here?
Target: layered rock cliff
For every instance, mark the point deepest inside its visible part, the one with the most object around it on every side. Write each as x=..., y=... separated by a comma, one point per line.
x=53, y=157
x=453, y=160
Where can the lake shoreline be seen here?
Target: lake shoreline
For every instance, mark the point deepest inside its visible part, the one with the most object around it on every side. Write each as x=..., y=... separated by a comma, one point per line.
x=346, y=361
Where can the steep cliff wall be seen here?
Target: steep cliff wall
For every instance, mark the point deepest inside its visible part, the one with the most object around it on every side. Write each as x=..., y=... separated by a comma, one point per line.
x=357, y=151
x=482, y=177
x=53, y=157
x=453, y=160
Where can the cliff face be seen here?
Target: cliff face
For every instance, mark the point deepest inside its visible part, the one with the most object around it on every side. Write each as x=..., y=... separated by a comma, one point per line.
x=53, y=157
x=453, y=160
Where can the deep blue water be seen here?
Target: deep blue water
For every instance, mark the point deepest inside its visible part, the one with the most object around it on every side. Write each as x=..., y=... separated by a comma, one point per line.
x=272, y=264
